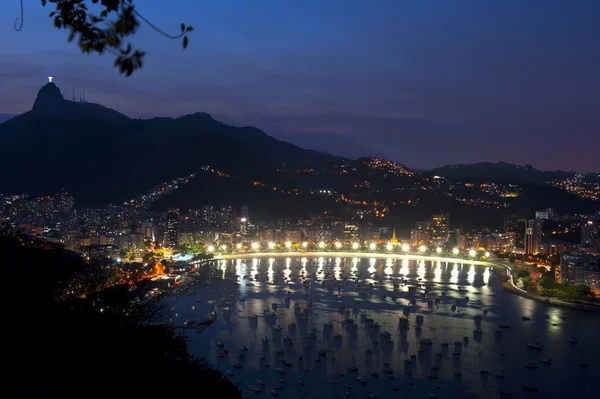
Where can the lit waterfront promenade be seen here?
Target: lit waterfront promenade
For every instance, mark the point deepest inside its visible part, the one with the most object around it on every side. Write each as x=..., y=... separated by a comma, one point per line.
x=376, y=255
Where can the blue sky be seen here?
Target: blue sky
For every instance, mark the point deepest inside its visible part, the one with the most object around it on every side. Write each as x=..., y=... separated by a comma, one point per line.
x=424, y=83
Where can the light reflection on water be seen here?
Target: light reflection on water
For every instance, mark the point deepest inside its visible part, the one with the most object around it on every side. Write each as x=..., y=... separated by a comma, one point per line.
x=431, y=315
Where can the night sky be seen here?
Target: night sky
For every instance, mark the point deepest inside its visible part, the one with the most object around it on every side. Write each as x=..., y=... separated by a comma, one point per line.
x=424, y=83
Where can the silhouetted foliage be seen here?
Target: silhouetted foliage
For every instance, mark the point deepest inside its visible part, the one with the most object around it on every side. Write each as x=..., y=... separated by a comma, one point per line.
x=93, y=347
x=106, y=31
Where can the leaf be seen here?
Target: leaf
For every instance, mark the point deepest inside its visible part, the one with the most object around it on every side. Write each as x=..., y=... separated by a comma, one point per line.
x=103, y=13
x=53, y=13
x=185, y=41
x=182, y=27
x=189, y=29
x=71, y=36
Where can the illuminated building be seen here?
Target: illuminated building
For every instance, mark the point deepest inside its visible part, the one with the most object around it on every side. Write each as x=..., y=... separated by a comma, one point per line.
x=590, y=233
x=170, y=238
x=510, y=225
x=580, y=269
x=440, y=228
x=533, y=236
x=293, y=236
x=420, y=234
x=225, y=216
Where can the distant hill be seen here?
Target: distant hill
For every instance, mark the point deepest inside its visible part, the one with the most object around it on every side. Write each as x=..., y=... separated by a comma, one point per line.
x=100, y=155
x=5, y=117
x=500, y=171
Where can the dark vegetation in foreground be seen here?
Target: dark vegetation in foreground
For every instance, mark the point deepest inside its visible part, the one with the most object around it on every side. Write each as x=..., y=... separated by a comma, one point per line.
x=94, y=346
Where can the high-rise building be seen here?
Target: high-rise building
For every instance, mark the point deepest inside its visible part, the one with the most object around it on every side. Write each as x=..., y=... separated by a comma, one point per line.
x=533, y=236
x=590, y=233
x=293, y=236
x=171, y=230
x=225, y=217
x=541, y=215
x=580, y=269
x=420, y=234
x=350, y=232
x=245, y=214
x=209, y=215
x=440, y=229
x=460, y=239
x=510, y=225
x=147, y=230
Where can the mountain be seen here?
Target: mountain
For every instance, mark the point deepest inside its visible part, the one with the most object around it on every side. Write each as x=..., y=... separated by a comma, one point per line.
x=100, y=155
x=500, y=172
x=5, y=117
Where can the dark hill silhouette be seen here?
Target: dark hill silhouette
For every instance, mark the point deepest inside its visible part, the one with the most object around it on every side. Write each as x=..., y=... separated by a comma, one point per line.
x=101, y=155
x=500, y=171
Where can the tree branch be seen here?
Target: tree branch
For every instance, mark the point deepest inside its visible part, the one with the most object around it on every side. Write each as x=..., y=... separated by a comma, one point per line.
x=154, y=27
x=19, y=20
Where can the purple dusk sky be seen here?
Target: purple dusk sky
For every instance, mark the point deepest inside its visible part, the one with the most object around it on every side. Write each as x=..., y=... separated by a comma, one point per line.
x=424, y=83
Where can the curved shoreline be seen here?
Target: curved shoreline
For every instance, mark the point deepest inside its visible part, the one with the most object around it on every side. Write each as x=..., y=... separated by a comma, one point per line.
x=508, y=285
x=551, y=301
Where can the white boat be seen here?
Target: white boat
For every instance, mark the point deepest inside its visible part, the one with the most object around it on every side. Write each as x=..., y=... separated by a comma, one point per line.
x=361, y=379
x=534, y=345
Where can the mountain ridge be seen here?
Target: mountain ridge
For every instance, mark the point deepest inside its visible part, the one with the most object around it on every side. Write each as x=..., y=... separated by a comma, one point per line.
x=83, y=146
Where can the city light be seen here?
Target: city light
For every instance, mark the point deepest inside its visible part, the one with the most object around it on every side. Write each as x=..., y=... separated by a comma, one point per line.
x=438, y=250
x=321, y=244
x=472, y=252
x=239, y=246
x=223, y=247
x=389, y=247
x=118, y=260
x=304, y=244
x=422, y=248
x=271, y=245
x=288, y=244
x=338, y=245
x=405, y=247
x=354, y=245
x=487, y=254
x=211, y=248
x=372, y=246
x=455, y=251
x=243, y=220
x=255, y=246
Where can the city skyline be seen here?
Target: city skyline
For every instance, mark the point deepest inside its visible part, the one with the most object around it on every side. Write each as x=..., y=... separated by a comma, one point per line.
x=403, y=103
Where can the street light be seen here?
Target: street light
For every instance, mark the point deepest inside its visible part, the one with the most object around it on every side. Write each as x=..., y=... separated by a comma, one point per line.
x=271, y=245
x=255, y=246
x=338, y=245
x=455, y=251
x=288, y=244
x=422, y=248
x=211, y=248
x=438, y=250
x=389, y=247
x=487, y=254
x=239, y=246
x=321, y=245
x=354, y=245
x=372, y=246
x=405, y=247
x=223, y=247
x=472, y=252
x=304, y=244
